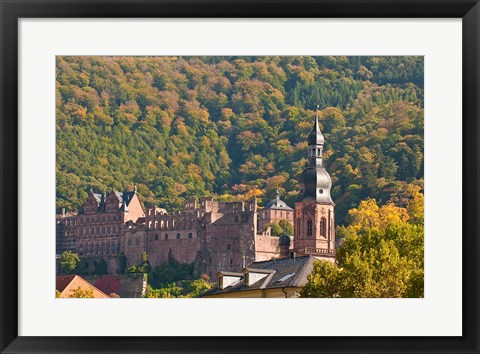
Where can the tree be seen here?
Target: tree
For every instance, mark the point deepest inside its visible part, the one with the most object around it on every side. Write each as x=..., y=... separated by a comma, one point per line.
x=275, y=229
x=372, y=263
x=68, y=262
x=369, y=215
x=81, y=293
x=286, y=226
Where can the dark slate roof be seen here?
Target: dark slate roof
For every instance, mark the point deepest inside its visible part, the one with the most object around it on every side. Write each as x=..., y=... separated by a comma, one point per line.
x=288, y=272
x=125, y=197
x=277, y=204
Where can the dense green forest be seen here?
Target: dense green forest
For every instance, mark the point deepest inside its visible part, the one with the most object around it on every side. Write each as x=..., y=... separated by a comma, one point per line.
x=235, y=127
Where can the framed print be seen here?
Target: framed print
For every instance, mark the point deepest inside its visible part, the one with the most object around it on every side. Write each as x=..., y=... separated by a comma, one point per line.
x=235, y=177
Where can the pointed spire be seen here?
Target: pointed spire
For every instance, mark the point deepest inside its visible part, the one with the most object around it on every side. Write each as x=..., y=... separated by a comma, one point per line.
x=277, y=194
x=316, y=137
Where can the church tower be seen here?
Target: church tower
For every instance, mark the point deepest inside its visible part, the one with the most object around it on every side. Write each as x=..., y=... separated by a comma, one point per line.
x=314, y=224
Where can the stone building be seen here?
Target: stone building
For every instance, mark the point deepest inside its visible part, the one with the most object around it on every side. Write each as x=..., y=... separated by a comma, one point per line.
x=65, y=224
x=213, y=235
x=102, y=221
x=274, y=211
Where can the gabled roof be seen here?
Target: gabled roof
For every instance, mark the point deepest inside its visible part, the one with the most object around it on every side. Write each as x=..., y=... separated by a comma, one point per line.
x=284, y=272
x=67, y=283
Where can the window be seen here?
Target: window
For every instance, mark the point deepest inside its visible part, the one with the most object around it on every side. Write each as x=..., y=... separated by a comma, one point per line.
x=323, y=227
x=166, y=236
x=114, y=229
x=178, y=236
x=91, y=231
x=228, y=246
x=321, y=191
x=231, y=261
x=190, y=235
x=309, y=227
x=156, y=237
x=137, y=242
x=103, y=231
x=236, y=218
x=114, y=218
x=298, y=227
x=129, y=241
x=108, y=230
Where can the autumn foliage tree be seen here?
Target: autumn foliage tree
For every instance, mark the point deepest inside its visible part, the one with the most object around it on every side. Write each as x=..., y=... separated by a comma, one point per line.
x=381, y=255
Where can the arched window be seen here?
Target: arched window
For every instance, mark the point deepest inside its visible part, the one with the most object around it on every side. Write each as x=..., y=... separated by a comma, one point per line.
x=309, y=227
x=323, y=227
x=190, y=235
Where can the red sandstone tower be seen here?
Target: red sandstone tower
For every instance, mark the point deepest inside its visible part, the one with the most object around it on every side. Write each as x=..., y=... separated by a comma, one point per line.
x=315, y=210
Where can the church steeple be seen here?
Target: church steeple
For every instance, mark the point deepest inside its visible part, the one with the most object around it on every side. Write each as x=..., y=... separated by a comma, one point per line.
x=314, y=226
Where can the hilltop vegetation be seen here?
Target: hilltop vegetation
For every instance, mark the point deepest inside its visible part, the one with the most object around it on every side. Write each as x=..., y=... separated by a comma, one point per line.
x=235, y=127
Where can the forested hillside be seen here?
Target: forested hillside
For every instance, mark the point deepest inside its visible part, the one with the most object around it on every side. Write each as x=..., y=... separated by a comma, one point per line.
x=235, y=127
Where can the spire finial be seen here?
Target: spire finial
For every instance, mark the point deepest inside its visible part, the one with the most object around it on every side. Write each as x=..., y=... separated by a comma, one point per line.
x=277, y=194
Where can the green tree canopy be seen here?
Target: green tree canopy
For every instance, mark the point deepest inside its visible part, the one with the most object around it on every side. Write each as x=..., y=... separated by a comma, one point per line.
x=373, y=262
x=68, y=262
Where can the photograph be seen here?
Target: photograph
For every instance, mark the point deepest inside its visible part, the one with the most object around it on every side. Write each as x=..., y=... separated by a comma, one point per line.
x=239, y=177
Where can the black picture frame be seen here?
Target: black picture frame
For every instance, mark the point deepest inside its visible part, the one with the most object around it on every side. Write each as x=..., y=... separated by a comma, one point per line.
x=11, y=11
